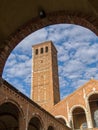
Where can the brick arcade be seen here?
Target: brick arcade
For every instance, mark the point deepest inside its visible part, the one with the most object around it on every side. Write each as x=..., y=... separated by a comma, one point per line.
x=45, y=111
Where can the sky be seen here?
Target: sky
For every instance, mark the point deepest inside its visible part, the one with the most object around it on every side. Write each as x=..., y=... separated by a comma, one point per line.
x=77, y=57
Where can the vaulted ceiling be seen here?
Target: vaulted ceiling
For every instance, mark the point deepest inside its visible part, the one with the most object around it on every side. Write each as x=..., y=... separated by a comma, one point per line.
x=16, y=13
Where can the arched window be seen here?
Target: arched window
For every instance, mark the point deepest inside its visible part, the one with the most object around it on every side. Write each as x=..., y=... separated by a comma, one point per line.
x=46, y=49
x=36, y=51
x=41, y=50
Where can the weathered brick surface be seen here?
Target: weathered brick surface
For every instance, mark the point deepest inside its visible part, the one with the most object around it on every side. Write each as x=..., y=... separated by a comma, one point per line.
x=45, y=82
x=77, y=99
x=12, y=95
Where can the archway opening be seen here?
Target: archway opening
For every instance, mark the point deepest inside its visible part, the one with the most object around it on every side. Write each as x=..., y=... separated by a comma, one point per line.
x=79, y=118
x=93, y=102
x=35, y=124
x=50, y=128
x=61, y=120
x=77, y=56
x=9, y=117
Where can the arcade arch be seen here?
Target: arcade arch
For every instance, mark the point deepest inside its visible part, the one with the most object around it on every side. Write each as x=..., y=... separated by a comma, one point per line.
x=35, y=124
x=62, y=119
x=79, y=118
x=9, y=116
x=50, y=128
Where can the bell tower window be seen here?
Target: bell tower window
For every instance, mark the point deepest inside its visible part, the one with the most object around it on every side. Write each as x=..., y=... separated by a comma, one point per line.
x=41, y=50
x=46, y=49
x=36, y=51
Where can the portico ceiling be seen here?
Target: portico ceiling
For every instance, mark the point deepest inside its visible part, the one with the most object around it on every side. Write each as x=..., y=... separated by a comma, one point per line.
x=15, y=13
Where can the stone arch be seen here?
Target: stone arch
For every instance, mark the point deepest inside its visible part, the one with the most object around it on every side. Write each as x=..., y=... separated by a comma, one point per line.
x=62, y=119
x=50, y=127
x=93, y=104
x=14, y=103
x=91, y=93
x=9, y=115
x=78, y=114
x=84, y=20
x=75, y=106
x=35, y=123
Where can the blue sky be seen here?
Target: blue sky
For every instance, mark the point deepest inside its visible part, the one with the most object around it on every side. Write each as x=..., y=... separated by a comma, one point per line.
x=77, y=57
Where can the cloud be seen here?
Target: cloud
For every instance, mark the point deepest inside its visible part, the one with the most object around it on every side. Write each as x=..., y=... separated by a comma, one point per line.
x=25, y=46
x=77, y=57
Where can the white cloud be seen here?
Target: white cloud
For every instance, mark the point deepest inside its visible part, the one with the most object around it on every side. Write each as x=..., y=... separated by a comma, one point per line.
x=77, y=55
x=63, y=83
x=25, y=45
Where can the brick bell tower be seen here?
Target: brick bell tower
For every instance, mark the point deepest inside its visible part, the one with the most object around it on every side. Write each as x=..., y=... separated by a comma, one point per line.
x=45, y=82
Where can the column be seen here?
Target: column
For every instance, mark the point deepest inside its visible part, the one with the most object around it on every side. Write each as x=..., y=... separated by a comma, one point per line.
x=88, y=114
x=22, y=123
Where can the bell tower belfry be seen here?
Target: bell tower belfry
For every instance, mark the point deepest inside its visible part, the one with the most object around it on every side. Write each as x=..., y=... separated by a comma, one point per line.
x=45, y=82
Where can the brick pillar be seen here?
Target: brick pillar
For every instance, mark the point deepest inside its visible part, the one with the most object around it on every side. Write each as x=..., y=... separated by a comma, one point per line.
x=23, y=120
x=22, y=123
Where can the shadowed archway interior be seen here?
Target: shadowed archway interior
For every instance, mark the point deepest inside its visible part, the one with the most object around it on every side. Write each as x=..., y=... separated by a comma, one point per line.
x=50, y=128
x=9, y=117
x=79, y=118
x=34, y=124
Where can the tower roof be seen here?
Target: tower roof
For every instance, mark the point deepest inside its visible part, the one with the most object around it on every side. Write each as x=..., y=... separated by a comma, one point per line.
x=43, y=44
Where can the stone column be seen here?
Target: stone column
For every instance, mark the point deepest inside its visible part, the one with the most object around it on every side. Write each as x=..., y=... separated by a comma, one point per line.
x=71, y=122
x=88, y=114
x=69, y=116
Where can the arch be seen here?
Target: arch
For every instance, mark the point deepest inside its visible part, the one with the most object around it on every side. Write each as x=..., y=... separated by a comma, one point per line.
x=93, y=104
x=62, y=119
x=50, y=128
x=78, y=117
x=36, y=51
x=14, y=103
x=51, y=18
x=35, y=123
x=91, y=93
x=9, y=116
x=75, y=106
x=46, y=49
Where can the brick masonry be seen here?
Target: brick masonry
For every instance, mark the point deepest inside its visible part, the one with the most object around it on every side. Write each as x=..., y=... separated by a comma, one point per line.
x=78, y=99
x=45, y=82
x=27, y=108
